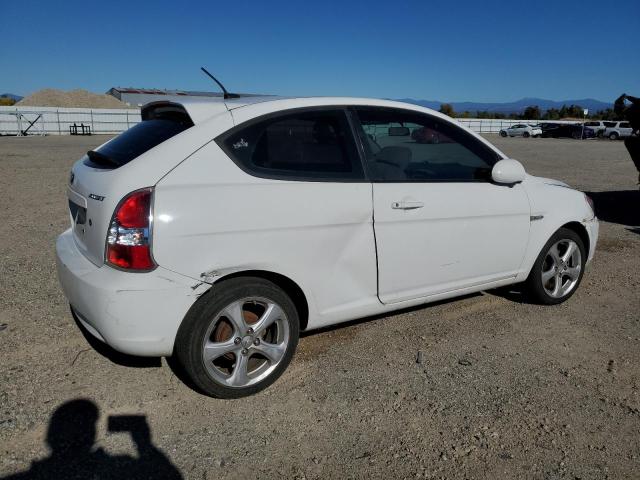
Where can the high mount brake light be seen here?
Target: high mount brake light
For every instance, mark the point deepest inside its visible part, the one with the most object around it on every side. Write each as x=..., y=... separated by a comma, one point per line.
x=129, y=235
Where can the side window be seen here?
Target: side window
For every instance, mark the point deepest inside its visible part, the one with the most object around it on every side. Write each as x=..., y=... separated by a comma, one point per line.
x=405, y=146
x=304, y=145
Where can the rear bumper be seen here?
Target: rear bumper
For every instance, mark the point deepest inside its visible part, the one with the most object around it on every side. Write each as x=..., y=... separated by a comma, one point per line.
x=135, y=313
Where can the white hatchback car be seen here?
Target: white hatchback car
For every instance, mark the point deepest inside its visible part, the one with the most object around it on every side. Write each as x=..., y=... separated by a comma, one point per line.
x=217, y=230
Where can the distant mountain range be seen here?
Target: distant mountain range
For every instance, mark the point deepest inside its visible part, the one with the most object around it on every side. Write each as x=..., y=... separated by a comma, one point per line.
x=512, y=107
x=17, y=98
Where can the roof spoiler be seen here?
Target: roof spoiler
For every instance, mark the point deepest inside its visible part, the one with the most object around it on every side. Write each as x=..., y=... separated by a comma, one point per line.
x=164, y=109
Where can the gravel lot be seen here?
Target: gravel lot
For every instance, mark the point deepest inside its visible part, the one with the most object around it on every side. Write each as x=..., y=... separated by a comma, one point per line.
x=503, y=389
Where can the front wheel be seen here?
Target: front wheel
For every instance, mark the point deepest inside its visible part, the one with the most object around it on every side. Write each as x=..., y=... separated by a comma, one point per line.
x=239, y=338
x=558, y=270
x=503, y=133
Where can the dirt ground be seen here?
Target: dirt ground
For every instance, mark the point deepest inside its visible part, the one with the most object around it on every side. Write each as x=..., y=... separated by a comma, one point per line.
x=503, y=389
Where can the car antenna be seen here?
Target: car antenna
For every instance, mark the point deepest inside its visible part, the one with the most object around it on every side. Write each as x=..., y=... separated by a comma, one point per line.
x=224, y=90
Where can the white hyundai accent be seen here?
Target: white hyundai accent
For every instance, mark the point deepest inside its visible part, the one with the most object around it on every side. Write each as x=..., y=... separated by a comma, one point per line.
x=217, y=230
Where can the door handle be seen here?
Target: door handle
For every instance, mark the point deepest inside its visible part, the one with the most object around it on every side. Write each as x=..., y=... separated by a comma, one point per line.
x=406, y=205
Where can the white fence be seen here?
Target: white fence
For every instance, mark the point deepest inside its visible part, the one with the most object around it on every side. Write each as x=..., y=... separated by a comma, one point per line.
x=15, y=120
x=494, y=125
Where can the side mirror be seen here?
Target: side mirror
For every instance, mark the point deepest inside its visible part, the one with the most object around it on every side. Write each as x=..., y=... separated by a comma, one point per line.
x=508, y=171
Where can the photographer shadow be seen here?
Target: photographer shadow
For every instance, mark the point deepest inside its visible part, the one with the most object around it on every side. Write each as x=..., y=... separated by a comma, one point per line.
x=71, y=438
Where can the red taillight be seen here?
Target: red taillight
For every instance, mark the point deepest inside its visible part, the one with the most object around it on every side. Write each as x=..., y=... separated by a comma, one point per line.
x=134, y=210
x=129, y=236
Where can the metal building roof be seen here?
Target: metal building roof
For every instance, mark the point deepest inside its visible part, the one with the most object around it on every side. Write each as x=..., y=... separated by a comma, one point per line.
x=157, y=91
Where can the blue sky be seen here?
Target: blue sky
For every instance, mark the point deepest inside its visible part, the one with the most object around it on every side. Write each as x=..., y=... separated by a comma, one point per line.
x=458, y=50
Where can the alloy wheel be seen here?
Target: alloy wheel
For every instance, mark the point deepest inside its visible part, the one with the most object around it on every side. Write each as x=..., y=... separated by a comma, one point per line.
x=561, y=268
x=245, y=342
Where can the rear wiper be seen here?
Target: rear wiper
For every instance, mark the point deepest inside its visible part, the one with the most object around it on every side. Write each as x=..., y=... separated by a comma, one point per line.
x=101, y=158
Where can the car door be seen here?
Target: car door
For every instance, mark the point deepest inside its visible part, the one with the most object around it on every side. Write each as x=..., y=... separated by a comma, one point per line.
x=440, y=224
x=518, y=130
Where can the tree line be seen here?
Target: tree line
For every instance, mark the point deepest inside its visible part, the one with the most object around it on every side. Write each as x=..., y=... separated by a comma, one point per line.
x=533, y=112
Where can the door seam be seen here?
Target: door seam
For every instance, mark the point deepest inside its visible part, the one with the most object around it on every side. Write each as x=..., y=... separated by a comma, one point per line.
x=375, y=244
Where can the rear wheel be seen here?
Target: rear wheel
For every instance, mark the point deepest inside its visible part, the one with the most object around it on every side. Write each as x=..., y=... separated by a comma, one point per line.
x=558, y=270
x=503, y=133
x=526, y=135
x=239, y=338
x=613, y=136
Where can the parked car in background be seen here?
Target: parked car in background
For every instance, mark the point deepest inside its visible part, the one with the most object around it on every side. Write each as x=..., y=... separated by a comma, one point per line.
x=598, y=126
x=567, y=130
x=521, y=130
x=618, y=130
x=216, y=230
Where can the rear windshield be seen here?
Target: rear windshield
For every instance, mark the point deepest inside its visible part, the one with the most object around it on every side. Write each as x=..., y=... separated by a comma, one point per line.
x=137, y=140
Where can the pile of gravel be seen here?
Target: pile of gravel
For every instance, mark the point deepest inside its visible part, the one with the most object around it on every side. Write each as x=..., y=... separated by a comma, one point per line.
x=50, y=97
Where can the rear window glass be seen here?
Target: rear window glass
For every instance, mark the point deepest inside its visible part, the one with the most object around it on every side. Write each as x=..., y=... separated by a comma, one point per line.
x=625, y=125
x=137, y=140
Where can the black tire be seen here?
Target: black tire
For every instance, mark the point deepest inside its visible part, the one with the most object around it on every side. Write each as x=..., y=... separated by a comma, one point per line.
x=534, y=286
x=613, y=136
x=189, y=344
x=576, y=135
x=526, y=135
x=503, y=133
